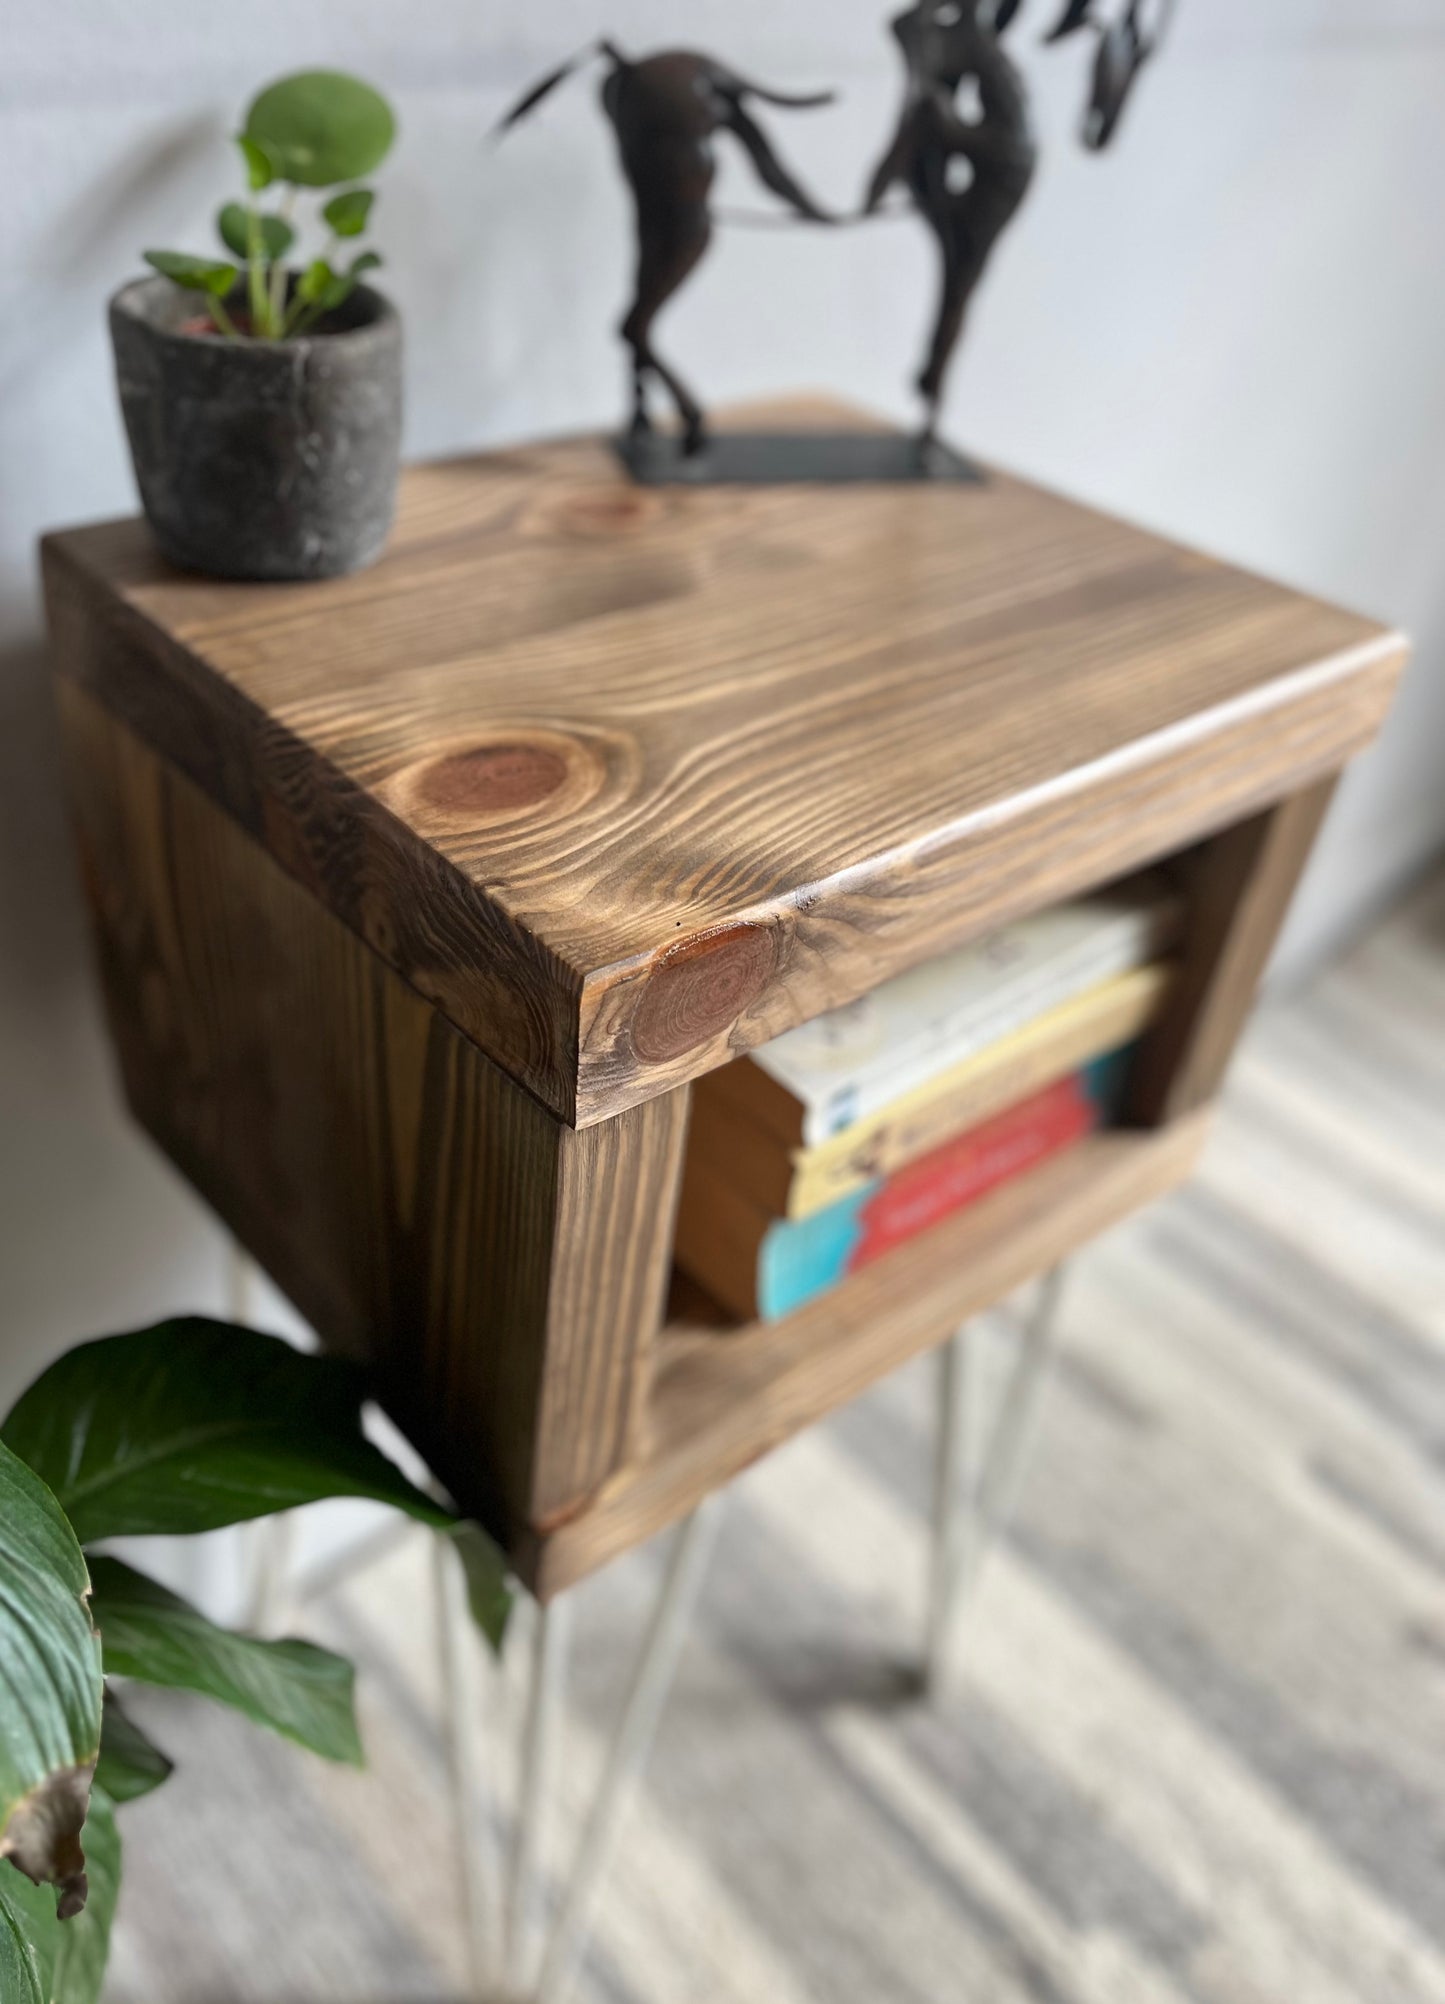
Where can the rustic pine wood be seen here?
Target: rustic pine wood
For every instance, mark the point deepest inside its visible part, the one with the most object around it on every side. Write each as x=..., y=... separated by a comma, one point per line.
x=1238, y=888
x=423, y=896
x=503, y=1274
x=720, y=1401
x=626, y=782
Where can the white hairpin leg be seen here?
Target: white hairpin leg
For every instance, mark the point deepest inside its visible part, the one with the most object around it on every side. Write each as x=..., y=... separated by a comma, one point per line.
x=954, y=1486
x=637, y=1727
x=461, y=1720
x=973, y=1503
x=550, y=1642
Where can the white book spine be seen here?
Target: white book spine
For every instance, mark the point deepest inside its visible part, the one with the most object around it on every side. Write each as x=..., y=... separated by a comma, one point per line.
x=1125, y=944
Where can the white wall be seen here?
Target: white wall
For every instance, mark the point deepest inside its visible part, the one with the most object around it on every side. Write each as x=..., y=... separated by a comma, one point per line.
x=1233, y=329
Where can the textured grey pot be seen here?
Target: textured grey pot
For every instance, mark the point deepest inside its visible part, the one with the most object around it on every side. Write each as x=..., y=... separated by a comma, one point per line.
x=261, y=459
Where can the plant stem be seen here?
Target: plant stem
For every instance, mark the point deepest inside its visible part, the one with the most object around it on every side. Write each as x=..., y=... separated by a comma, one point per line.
x=299, y=315
x=278, y=272
x=256, y=275
x=223, y=320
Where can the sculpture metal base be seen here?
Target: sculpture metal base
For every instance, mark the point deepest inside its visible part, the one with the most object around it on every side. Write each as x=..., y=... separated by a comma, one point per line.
x=791, y=458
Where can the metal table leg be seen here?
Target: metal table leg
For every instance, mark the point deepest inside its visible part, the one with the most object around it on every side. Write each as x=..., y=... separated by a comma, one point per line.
x=461, y=1710
x=550, y=1645
x=973, y=1505
x=637, y=1727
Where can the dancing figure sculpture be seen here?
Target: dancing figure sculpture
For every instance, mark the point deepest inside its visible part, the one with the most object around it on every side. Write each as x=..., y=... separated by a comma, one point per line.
x=666, y=110
x=1125, y=44
x=964, y=151
x=968, y=178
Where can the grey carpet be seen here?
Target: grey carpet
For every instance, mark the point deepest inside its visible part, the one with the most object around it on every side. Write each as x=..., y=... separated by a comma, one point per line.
x=1196, y=1754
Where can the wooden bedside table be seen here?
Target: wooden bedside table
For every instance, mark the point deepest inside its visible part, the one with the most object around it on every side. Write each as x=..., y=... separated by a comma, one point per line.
x=422, y=895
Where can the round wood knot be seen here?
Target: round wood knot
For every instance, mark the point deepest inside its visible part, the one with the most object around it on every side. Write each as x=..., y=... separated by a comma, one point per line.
x=494, y=779
x=699, y=989
x=610, y=511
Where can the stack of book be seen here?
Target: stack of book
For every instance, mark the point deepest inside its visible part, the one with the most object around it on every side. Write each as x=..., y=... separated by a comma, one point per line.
x=833, y=1144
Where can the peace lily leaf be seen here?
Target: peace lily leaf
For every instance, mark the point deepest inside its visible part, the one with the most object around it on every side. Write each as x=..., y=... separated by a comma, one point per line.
x=20, y=1977
x=153, y=1635
x=67, y=1958
x=320, y=127
x=197, y=274
x=50, y=1685
x=347, y=214
x=259, y=171
x=234, y=226
x=130, y=1765
x=489, y=1592
x=196, y=1424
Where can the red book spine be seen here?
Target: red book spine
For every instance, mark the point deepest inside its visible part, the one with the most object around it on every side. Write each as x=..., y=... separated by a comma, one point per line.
x=964, y=1170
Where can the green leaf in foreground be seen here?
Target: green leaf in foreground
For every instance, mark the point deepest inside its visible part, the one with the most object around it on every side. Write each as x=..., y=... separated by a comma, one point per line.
x=151, y=1634
x=197, y=1424
x=320, y=127
x=489, y=1591
x=234, y=226
x=20, y=1978
x=66, y=1958
x=50, y=1683
x=130, y=1766
x=196, y=274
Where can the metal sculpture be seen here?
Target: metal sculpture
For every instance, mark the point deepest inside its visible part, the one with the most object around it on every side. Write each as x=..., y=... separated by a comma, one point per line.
x=945, y=46
x=1125, y=44
x=967, y=166
x=968, y=176
x=666, y=110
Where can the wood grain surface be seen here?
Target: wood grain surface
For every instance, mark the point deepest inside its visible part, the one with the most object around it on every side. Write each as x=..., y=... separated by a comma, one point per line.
x=503, y=1275
x=628, y=781
x=720, y=1401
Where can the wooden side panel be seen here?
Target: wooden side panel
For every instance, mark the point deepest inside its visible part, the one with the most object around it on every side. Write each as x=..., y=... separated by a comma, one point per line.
x=616, y=1206
x=1239, y=888
x=502, y=1273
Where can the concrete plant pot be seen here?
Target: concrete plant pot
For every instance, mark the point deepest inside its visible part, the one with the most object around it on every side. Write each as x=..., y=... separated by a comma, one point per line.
x=261, y=459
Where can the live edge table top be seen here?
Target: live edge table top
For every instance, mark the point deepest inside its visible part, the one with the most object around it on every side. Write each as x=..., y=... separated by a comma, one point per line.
x=628, y=780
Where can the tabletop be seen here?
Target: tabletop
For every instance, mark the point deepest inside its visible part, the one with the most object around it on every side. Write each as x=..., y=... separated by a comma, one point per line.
x=628, y=780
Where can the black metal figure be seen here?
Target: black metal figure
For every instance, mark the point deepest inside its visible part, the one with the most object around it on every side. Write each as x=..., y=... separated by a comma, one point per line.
x=968, y=178
x=666, y=110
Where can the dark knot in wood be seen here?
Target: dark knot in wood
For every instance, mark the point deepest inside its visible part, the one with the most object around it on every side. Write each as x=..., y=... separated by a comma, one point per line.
x=494, y=779
x=700, y=988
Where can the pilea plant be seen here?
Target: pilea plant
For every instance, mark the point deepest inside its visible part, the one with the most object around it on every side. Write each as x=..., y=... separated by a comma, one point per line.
x=183, y=1428
x=317, y=130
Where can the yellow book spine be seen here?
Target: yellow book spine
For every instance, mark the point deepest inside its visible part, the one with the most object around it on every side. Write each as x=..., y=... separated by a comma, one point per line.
x=987, y=1083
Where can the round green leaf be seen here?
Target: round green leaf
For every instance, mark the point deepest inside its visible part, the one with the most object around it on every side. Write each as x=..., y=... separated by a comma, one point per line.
x=347, y=214
x=50, y=1683
x=195, y=1424
x=197, y=274
x=320, y=127
x=294, y=1688
x=234, y=225
x=259, y=171
x=315, y=282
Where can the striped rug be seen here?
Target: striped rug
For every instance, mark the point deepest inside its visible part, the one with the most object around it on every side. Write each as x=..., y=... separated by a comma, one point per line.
x=1196, y=1752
